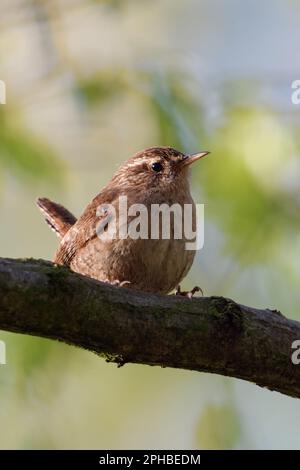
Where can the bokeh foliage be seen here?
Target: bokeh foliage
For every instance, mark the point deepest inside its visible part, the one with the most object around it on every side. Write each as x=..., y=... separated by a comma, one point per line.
x=52, y=396
x=25, y=155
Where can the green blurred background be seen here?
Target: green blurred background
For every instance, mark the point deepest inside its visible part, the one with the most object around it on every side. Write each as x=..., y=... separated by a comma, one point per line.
x=90, y=82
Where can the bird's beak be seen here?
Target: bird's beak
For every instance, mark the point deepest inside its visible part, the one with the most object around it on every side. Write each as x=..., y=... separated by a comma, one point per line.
x=189, y=159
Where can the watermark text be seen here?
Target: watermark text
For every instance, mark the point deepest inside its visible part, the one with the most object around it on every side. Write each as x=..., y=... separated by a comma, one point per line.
x=2, y=92
x=296, y=93
x=2, y=353
x=155, y=222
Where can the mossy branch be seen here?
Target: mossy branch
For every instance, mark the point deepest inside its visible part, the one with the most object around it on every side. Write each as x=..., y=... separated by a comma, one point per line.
x=210, y=334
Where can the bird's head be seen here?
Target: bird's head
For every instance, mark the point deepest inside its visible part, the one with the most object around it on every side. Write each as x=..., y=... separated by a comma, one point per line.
x=156, y=168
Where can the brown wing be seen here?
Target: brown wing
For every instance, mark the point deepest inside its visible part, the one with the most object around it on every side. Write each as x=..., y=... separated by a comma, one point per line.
x=85, y=228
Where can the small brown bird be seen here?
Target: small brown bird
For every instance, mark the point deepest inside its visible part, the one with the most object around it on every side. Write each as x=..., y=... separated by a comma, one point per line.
x=157, y=175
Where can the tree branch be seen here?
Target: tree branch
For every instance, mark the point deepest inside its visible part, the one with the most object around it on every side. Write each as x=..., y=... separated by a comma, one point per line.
x=208, y=334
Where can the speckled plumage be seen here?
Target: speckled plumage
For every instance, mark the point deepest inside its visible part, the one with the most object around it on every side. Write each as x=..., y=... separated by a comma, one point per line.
x=148, y=265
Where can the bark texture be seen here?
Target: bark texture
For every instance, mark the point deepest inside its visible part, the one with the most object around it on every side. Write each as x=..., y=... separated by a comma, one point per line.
x=211, y=334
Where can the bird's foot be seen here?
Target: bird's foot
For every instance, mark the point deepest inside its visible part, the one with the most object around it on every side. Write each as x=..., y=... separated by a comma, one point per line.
x=190, y=294
x=117, y=283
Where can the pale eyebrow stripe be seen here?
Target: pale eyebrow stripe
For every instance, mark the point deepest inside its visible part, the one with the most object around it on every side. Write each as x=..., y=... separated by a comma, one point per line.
x=144, y=160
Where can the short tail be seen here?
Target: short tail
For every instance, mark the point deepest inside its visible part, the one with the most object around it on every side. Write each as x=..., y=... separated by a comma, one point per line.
x=57, y=217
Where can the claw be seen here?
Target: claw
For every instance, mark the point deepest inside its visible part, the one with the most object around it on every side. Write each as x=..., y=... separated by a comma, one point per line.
x=124, y=283
x=190, y=294
x=117, y=283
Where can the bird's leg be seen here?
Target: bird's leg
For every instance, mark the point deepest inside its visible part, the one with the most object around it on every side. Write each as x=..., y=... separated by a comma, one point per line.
x=190, y=294
x=117, y=283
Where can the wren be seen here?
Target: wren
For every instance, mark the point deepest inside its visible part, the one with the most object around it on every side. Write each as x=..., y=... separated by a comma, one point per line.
x=157, y=175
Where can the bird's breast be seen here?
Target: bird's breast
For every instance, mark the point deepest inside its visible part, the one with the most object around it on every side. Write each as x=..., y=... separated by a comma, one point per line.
x=152, y=257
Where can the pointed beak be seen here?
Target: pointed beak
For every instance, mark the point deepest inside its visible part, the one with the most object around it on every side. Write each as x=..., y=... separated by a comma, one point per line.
x=189, y=159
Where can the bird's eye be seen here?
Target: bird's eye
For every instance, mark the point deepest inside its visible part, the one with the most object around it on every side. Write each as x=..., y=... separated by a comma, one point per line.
x=157, y=167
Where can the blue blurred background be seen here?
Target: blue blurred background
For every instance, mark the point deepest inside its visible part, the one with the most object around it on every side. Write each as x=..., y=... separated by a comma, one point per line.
x=90, y=82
